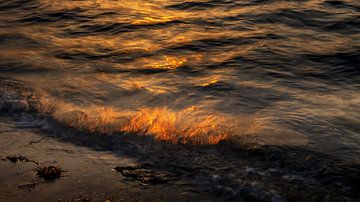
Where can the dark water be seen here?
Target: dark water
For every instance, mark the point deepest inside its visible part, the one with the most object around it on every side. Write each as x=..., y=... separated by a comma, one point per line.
x=274, y=72
x=239, y=100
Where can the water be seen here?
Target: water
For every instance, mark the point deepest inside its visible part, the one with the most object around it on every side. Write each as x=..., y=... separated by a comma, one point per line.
x=273, y=72
x=89, y=84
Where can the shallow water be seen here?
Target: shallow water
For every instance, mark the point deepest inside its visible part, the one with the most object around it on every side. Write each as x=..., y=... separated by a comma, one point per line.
x=274, y=72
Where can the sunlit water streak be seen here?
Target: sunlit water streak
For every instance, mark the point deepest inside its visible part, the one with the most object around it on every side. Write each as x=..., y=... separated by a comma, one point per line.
x=287, y=72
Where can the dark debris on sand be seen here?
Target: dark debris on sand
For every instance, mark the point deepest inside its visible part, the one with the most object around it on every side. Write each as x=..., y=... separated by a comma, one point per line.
x=19, y=158
x=145, y=175
x=29, y=186
x=49, y=173
x=15, y=159
x=82, y=199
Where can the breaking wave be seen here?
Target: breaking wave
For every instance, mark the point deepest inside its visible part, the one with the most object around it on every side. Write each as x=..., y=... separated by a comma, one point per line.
x=188, y=126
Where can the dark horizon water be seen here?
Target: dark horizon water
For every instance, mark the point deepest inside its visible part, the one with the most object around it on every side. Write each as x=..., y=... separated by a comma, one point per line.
x=273, y=72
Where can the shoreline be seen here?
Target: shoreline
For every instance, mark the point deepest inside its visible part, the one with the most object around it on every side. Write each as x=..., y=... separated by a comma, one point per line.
x=88, y=175
x=228, y=171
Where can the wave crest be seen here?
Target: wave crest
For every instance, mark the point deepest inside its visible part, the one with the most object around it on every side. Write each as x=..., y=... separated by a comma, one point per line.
x=188, y=126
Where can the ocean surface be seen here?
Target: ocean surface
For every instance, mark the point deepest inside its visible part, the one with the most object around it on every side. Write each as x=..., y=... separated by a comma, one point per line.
x=193, y=72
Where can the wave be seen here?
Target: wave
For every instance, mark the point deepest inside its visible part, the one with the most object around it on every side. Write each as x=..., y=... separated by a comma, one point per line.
x=9, y=5
x=189, y=126
x=178, y=127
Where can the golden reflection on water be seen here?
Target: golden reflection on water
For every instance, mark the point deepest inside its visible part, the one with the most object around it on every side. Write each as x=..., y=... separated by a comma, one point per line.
x=141, y=12
x=209, y=83
x=150, y=20
x=188, y=126
x=185, y=127
x=165, y=48
x=170, y=63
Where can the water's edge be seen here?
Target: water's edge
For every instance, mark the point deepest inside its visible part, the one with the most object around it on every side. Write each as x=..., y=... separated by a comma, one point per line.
x=227, y=170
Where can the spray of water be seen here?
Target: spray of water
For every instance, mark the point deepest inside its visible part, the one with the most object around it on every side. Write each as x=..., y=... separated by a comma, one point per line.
x=187, y=126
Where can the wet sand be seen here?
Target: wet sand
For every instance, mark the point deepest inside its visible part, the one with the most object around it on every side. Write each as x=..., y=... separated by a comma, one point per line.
x=89, y=174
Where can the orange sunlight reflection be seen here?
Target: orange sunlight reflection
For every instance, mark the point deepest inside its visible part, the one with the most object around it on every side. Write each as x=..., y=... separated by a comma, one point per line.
x=185, y=127
x=151, y=20
x=188, y=126
x=170, y=62
x=210, y=83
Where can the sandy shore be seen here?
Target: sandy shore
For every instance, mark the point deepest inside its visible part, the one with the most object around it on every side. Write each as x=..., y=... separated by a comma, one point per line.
x=89, y=174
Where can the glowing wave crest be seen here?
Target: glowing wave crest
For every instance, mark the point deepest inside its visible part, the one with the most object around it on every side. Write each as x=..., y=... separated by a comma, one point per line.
x=188, y=126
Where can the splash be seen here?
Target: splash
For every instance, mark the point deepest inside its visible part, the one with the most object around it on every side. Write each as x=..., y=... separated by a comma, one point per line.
x=185, y=127
x=188, y=126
